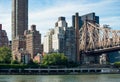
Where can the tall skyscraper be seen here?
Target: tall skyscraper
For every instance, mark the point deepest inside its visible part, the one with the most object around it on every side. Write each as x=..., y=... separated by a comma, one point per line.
x=19, y=25
x=19, y=17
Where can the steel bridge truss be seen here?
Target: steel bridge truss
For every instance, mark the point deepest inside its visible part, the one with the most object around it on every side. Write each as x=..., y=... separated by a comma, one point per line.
x=93, y=36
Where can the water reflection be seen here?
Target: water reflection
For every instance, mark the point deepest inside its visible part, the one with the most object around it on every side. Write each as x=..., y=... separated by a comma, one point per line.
x=61, y=78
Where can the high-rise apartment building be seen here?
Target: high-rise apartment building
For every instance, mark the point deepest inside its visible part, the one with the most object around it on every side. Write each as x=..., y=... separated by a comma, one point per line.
x=33, y=41
x=48, y=41
x=19, y=17
x=27, y=46
x=18, y=48
x=58, y=36
x=3, y=37
x=70, y=44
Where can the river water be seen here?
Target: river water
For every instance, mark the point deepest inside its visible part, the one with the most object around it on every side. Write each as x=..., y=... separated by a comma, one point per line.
x=61, y=78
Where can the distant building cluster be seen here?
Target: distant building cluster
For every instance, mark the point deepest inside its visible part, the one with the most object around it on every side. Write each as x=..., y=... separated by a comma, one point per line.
x=64, y=39
x=61, y=39
x=26, y=44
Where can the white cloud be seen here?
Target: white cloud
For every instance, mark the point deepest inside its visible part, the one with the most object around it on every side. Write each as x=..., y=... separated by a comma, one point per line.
x=114, y=22
x=6, y=23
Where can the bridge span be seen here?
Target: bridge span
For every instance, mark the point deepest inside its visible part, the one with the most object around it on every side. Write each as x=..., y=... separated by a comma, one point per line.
x=95, y=40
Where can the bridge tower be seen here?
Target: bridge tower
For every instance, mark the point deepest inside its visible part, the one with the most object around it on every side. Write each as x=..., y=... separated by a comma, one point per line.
x=77, y=37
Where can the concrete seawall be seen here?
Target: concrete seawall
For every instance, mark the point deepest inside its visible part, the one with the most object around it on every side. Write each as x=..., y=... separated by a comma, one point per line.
x=54, y=71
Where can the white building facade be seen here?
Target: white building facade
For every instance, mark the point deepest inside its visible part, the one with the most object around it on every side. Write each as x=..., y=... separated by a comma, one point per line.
x=48, y=41
x=58, y=36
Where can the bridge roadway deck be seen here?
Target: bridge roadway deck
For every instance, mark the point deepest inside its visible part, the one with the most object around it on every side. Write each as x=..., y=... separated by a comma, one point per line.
x=104, y=50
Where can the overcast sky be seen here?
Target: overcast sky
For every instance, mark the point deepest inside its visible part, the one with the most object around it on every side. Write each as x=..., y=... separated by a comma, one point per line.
x=44, y=13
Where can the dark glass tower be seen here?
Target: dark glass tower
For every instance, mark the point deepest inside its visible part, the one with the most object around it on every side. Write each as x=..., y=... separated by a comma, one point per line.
x=19, y=17
x=81, y=19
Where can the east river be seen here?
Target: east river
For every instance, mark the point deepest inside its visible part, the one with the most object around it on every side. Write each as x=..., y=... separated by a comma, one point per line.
x=61, y=78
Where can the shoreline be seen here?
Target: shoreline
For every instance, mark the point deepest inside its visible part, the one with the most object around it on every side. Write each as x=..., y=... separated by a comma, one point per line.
x=58, y=74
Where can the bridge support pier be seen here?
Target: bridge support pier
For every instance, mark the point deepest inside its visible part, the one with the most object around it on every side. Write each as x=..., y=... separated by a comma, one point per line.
x=89, y=59
x=84, y=59
x=103, y=59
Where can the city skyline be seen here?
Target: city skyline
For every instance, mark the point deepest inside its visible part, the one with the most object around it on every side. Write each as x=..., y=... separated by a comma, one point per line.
x=44, y=13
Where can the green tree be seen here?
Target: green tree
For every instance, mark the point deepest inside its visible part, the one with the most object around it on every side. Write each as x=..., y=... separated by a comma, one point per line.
x=5, y=55
x=14, y=62
x=117, y=64
x=54, y=59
